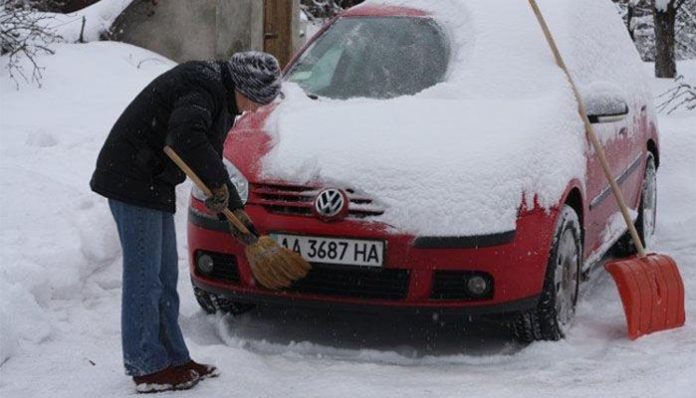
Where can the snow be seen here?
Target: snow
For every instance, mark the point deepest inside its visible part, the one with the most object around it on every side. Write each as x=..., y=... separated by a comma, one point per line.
x=395, y=156
x=60, y=281
x=503, y=125
x=55, y=233
x=592, y=58
x=661, y=5
x=98, y=19
x=613, y=231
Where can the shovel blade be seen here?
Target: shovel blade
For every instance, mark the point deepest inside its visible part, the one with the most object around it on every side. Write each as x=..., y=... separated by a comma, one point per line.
x=652, y=292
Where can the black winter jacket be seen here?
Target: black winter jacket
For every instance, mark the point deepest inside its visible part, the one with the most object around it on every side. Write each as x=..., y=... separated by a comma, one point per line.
x=191, y=108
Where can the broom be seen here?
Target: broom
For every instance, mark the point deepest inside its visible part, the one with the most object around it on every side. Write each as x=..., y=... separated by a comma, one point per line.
x=650, y=285
x=273, y=266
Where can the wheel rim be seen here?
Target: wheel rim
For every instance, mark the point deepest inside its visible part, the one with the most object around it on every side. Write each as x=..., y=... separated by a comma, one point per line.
x=566, y=278
x=649, y=201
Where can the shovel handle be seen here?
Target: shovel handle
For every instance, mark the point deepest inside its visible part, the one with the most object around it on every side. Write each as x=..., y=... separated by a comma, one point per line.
x=591, y=134
x=201, y=185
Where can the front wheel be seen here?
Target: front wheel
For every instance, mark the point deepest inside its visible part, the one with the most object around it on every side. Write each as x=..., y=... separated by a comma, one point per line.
x=555, y=311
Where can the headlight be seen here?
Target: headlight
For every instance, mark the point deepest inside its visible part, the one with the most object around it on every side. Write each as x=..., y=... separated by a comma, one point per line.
x=236, y=177
x=238, y=180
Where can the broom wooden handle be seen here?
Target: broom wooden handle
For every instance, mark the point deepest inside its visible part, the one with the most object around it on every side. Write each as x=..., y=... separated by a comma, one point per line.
x=591, y=134
x=201, y=185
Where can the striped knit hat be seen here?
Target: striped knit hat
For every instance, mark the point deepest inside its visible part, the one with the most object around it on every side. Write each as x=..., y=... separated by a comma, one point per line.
x=256, y=75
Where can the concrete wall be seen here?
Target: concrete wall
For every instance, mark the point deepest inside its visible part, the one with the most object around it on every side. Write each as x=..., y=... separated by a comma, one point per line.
x=196, y=29
x=239, y=26
x=178, y=29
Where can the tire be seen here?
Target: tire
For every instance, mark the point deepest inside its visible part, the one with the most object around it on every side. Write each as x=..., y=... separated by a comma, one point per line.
x=647, y=213
x=212, y=303
x=555, y=310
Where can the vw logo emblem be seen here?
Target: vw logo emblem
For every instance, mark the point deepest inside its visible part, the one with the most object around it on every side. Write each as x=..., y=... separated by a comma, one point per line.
x=330, y=204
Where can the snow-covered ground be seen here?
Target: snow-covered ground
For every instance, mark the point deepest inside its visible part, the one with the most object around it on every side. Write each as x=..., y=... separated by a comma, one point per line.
x=60, y=281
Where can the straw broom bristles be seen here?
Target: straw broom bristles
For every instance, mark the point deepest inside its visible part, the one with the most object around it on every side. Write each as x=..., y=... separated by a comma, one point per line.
x=274, y=266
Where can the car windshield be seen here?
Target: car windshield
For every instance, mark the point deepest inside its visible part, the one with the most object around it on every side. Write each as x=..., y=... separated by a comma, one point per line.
x=374, y=57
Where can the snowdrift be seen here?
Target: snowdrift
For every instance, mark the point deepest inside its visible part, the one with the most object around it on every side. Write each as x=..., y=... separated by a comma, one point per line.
x=55, y=231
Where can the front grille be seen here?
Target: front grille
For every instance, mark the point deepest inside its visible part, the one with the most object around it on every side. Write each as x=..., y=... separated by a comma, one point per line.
x=224, y=269
x=298, y=200
x=451, y=285
x=352, y=281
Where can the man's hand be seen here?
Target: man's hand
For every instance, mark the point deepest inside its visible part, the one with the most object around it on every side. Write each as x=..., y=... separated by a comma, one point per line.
x=218, y=202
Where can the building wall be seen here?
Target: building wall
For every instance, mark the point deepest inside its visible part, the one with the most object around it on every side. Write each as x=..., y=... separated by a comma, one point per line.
x=173, y=28
x=239, y=26
x=197, y=29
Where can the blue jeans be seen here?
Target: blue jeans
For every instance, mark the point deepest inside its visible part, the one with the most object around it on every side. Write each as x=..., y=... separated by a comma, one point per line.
x=150, y=333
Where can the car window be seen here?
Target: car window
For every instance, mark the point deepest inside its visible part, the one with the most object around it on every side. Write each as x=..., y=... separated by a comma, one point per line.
x=374, y=57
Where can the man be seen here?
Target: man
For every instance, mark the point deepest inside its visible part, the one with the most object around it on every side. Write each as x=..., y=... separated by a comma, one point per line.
x=190, y=108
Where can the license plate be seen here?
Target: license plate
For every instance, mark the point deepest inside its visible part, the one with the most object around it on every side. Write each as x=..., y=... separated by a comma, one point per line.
x=335, y=250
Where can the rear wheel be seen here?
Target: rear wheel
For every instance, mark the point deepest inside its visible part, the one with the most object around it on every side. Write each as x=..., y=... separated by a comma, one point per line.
x=555, y=311
x=647, y=213
x=212, y=303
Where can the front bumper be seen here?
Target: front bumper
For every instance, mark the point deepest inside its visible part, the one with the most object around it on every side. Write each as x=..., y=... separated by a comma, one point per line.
x=291, y=300
x=514, y=261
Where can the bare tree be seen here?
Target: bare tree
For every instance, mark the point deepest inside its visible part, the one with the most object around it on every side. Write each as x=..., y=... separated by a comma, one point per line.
x=685, y=30
x=24, y=33
x=640, y=17
x=683, y=95
x=665, y=14
x=630, y=13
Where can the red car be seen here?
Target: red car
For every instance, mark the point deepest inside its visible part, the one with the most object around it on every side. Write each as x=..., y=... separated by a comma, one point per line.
x=529, y=273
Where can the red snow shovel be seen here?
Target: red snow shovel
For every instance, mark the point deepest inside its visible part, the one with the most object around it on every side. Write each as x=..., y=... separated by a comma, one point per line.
x=650, y=285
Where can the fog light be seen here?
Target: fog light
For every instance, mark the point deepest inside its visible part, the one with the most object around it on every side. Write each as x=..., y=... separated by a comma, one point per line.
x=205, y=264
x=477, y=285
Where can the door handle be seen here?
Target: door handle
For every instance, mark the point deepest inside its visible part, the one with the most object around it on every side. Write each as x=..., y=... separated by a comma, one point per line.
x=623, y=131
x=271, y=35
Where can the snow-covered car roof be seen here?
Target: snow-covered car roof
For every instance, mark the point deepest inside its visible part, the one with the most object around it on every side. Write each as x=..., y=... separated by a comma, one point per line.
x=457, y=158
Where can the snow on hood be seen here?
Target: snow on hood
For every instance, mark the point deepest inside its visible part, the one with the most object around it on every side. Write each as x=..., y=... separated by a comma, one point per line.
x=439, y=167
x=455, y=159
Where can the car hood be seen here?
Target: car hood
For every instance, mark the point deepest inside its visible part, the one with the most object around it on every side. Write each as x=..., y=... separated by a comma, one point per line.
x=437, y=167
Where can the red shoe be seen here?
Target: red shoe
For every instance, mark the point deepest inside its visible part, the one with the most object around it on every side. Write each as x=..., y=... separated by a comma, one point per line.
x=203, y=370
x=167, y=380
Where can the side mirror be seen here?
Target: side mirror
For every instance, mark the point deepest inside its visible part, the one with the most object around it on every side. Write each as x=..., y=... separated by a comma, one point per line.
x=604, y=104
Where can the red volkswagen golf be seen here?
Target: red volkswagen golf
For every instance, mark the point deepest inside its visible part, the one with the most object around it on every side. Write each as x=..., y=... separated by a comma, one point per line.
x=425, y=161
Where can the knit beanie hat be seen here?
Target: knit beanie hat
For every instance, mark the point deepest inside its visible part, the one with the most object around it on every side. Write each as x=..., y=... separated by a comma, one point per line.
x=256, y=75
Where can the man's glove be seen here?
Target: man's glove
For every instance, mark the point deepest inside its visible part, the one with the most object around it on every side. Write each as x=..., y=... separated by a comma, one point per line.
x=218, y=202
x=244, y=218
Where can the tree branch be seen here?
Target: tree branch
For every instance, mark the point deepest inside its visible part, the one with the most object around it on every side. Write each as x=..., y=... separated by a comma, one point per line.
x=24, y=34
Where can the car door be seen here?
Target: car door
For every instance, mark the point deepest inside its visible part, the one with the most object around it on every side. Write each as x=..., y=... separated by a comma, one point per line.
x=605, y=65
